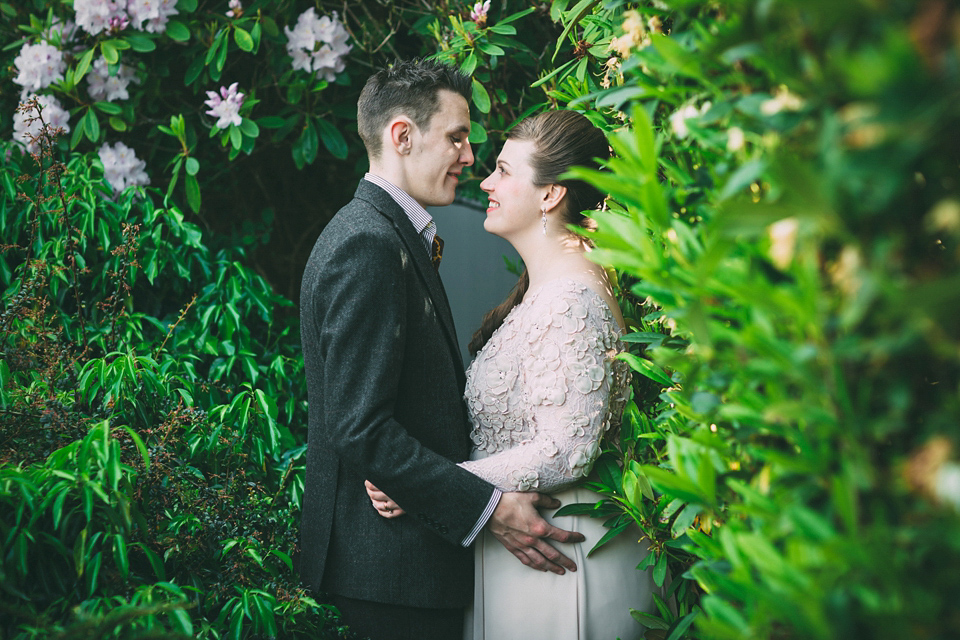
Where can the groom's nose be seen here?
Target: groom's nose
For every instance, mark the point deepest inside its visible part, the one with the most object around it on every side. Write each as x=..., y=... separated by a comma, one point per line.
x=466, y=154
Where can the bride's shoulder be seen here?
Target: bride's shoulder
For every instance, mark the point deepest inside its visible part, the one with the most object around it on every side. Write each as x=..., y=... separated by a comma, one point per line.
x=580, y=290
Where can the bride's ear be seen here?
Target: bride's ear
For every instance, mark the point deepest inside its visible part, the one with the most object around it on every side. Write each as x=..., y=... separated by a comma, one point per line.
x=552, y=197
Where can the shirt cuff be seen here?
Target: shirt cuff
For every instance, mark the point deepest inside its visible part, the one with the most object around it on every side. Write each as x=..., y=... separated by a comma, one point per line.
x=481, y=523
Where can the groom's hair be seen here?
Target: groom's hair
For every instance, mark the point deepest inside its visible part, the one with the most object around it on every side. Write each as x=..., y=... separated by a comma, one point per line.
x=408, y=87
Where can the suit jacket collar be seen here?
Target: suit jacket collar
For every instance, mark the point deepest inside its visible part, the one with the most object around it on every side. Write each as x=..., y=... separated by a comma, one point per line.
x=388, y=207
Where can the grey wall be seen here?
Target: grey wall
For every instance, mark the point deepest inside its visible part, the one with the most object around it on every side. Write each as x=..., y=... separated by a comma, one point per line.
x=473, y=271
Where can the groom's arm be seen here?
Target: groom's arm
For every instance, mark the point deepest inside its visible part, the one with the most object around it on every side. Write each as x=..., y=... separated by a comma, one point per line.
x=520, y=528
x=360, y=303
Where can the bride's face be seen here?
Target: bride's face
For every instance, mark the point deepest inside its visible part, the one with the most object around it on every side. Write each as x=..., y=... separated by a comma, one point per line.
x=515, y=201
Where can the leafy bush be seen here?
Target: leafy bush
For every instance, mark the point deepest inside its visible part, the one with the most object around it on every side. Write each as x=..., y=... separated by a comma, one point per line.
x=151, y=421
x=786, y=194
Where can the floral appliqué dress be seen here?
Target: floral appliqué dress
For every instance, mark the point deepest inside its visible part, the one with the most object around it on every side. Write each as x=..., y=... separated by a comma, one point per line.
x=541, y=395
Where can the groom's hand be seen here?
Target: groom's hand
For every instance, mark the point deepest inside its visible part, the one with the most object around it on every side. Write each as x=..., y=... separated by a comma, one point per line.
x=519, y=527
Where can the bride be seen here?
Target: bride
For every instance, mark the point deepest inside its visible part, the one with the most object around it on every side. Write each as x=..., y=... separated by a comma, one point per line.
x=544, y=391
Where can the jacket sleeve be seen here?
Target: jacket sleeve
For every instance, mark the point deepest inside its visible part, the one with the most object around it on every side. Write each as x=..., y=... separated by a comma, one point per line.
x=360, y=301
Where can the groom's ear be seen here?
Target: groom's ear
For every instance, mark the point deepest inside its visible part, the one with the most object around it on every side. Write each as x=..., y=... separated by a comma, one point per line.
x=400, y=132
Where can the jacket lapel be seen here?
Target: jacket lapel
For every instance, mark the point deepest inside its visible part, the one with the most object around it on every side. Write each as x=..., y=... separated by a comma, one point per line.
x=387, y=206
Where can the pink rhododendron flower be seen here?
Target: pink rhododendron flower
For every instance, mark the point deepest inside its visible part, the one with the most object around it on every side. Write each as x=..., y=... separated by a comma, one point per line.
x=479, y=13
x=104, y=86
x=226, y=106
x=155, y=13
x=94, y=16
x=39, y=65
x=122, y=168
x=318, y=45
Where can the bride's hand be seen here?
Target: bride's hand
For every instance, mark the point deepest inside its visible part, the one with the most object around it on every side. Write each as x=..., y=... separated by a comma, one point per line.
x=382, y=502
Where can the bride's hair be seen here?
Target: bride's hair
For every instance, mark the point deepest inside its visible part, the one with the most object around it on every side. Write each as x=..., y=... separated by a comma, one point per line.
x=562, y=139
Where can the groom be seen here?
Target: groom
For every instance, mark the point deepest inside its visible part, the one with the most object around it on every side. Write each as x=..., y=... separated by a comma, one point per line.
x=385, y=382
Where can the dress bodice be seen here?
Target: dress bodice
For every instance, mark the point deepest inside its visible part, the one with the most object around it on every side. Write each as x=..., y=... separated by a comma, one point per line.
x=545, y=389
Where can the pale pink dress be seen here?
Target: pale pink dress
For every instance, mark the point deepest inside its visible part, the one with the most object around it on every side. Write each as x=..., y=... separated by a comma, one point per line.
x=541, y=395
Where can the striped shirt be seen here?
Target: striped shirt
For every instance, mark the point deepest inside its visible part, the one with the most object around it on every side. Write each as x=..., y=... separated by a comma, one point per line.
x=426, y=228
x=419, y=218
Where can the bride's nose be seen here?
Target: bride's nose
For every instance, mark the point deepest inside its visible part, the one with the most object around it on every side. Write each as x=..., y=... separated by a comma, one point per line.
x=487, y=184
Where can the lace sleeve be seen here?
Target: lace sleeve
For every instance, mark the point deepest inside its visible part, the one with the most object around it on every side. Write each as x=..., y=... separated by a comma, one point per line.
x=572, y=387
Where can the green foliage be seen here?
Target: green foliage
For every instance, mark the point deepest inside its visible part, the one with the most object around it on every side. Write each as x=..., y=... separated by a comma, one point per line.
x=785, y=204
x=151, y=423
x=785, y=222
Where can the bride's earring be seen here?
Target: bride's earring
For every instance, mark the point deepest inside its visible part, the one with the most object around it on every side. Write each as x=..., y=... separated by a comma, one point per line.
x=543, y=213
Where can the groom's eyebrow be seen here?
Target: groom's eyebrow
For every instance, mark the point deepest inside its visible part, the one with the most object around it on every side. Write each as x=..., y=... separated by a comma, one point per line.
x=462, y=129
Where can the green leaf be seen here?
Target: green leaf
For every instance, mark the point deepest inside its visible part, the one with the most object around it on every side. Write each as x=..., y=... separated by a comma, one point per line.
x=83, y=65
x=490, y=49
x=193, y=71
x=504, y=29
x=332, y=139
x=478, y=135
x=469, y=64
x=660, y=569
x=648, y=620
x=236, y=138
x=186, y=6
x=680, y=626
x=243, y=39
x=192, y=166
x=646, y=368
x=249, y=128
x=109, y=52
x=480, y=97
x=193, y=192
x=108, y=108
x=742, y=178
x=91, y=125
x=578, y=12
x=118, y=124
x=610, y=535
x=140, y=43
x=177, y=31
x=308, y=142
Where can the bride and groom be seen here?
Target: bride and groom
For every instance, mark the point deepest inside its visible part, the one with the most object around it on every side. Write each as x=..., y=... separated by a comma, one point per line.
x=422, y=482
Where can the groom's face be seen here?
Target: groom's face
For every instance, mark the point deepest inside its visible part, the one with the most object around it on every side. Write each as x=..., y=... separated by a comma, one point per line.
x=439, y=154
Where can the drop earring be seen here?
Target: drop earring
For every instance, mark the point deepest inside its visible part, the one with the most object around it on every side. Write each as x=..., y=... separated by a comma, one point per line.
x=543, y=213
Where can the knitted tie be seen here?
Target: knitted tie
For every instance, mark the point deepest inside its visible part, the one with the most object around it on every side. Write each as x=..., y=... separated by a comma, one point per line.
x=436, y=253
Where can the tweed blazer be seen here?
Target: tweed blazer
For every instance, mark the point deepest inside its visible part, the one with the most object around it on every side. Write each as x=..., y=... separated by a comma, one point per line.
x=385, y=385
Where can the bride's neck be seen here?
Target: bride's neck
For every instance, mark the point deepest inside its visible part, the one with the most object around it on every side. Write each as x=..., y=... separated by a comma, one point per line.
x=549, y=257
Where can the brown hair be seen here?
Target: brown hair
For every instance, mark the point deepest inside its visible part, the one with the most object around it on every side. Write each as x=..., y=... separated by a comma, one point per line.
x=562, y=139
x=409, y=87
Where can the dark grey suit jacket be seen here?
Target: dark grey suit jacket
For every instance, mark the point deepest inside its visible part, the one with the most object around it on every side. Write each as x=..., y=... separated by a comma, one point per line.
x=385, y=385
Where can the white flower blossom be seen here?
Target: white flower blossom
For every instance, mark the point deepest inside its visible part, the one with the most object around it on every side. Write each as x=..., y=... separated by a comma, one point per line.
x=678, y=120
x=226, y=106
x=318, y=45
x=104, y=86
x=155, y=13
x=94, y=16
x=53, y=114
x=783, y=241
x=236, y=9
x=782, y=101
x=39, y=66
x=735, y=139
x=122, y=168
